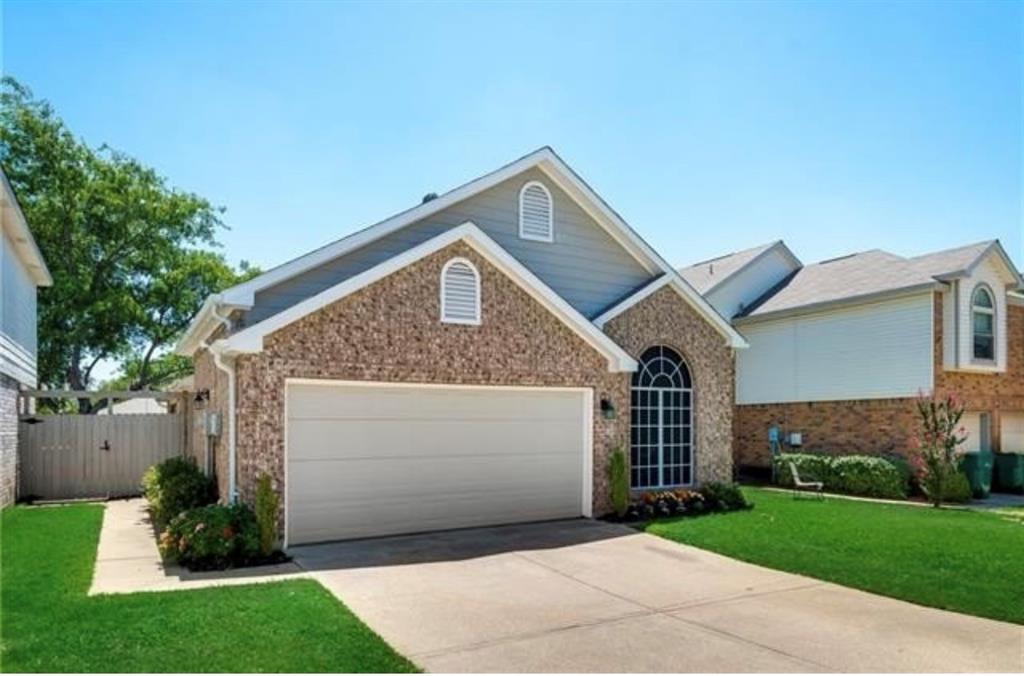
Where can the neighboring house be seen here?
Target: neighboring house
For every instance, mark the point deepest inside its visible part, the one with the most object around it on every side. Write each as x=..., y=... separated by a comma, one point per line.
x=840, y=349
x=22, y=271
x=473, y=360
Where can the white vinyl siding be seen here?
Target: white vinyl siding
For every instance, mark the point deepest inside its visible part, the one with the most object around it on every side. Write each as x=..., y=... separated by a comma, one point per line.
x=1011, y=434
x=460, y=292
x=17, y=317
x=536, y=217
x=870, y=351
x=750, y=283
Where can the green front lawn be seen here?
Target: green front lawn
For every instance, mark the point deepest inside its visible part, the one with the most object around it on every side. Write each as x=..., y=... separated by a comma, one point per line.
x=47, y=623
x=967, y=561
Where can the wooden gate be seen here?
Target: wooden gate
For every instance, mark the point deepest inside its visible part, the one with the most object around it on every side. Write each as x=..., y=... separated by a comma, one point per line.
x=87, y=456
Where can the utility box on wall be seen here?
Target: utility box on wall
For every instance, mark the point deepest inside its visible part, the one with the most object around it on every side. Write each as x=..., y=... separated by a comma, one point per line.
x=211, y=424
x=796, y=439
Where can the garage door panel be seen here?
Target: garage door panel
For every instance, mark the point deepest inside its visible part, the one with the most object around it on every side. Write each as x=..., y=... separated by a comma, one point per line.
x=396, y=402
x=1012, y=432
x=317, y=439
x=381, y=460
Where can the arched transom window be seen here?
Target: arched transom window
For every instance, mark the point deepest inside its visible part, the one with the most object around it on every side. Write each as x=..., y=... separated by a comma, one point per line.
x=661, y=421
x=460, y=292
x=983, y=324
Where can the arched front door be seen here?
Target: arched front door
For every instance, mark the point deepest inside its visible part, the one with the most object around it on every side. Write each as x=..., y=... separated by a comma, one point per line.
x=661, y=426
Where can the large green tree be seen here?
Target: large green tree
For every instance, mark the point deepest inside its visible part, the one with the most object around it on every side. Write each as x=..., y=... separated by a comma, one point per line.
x=129, y=254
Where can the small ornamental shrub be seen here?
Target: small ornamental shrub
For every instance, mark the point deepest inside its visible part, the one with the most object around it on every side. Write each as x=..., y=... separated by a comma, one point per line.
x=618, y=479
x=724, y=497
x=957, y=489
x=267, y=504
x=214, y=537
x=867, y=475
x=174, y=486
x=938, y=446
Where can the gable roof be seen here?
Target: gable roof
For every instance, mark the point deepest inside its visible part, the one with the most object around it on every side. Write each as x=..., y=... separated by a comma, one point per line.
x=15, y=225
x=250, y=339
x=870, y=274
x=707, y=276
x=545, y=159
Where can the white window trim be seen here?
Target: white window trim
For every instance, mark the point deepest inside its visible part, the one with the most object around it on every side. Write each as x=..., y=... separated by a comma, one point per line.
x=977, y=309
x=551, y=213
x=476, y=279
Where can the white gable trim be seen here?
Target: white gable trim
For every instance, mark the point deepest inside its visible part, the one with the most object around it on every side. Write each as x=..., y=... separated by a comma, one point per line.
x=779, y=246
x=649, y=290
x=251, y=339
x=25, y=247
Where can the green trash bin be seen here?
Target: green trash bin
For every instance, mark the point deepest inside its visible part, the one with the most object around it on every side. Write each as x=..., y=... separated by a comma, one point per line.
x=1010, y=472
x=978, y=468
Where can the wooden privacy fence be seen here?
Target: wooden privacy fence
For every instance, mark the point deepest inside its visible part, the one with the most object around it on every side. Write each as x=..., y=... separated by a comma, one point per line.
x=66, y=456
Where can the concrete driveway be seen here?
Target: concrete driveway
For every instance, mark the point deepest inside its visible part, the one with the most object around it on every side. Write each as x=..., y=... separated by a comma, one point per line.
x=584, y=596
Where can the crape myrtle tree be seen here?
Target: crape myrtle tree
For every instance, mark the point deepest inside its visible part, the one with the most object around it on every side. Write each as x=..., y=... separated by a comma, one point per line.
x=129, y=255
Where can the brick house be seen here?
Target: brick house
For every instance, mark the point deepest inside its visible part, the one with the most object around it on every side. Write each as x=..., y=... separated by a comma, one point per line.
x=471, y=361
x=840, y=349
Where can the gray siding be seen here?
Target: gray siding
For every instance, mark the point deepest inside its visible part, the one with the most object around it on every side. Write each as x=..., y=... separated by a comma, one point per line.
x=17, y=317
x=584, y=264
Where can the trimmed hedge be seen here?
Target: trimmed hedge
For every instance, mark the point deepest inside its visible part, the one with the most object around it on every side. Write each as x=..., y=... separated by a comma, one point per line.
x=867, y=475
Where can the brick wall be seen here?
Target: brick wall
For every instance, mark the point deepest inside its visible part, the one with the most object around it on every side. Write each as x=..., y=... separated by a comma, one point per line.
x=879, y=426
x=666, y=319
x=209, y=377
x=8, y=440
x=390, y=331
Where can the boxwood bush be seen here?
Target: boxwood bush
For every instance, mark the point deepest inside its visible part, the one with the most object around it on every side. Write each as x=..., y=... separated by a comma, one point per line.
x=867, y=475
x=214, y=537
x=174, y=486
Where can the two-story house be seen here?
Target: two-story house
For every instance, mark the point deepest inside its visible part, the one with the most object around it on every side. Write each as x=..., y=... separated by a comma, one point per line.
x=22, y=271
x=473, y=360
x=840, y=349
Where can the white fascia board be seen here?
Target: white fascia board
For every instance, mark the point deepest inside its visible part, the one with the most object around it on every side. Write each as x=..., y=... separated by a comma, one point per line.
x=25, y=246
x=204, y=323
x=733, y=338
x=250, y=339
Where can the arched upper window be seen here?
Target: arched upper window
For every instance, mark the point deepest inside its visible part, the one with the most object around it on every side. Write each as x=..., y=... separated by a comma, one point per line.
x=983, y=324
x=460, y=292
x=536, y=213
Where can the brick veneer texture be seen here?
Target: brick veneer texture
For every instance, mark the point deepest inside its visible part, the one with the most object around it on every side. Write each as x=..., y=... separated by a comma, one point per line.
x=880, y=426
x=663, y=318
x=8, y=440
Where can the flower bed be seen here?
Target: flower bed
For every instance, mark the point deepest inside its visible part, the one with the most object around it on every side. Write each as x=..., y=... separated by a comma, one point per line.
x=711, y=498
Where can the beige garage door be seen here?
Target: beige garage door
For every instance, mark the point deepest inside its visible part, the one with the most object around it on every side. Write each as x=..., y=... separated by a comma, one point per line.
x=368, y=460
x=1011, y=435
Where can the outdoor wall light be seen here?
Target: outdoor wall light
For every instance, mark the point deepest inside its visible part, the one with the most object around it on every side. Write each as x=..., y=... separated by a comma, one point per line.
x=202, y=396
x=607, y=409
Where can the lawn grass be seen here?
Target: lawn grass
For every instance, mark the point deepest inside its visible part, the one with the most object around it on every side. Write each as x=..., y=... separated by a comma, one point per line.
x=47, y=623
x=960, y=560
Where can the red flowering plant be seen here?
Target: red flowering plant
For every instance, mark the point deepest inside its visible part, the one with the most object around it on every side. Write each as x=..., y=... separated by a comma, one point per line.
x=936, y=450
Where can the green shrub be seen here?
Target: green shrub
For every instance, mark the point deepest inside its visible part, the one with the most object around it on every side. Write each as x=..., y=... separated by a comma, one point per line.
x=174, y=486
x=867, y=475
x=267, y=504
x=213, y=537
x=618, y=477
x=719, y=496
x=956, y=489
x=902, y=466
x=810, y=466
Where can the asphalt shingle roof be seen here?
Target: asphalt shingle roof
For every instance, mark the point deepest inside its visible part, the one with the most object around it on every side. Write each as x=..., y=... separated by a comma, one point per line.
x=863, y=274
x=706, y=274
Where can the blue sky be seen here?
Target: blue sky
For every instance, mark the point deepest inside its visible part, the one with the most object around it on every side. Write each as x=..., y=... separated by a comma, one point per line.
x=711, y=127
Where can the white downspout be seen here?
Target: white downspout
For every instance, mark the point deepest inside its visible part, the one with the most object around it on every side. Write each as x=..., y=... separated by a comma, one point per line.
x=229, y=369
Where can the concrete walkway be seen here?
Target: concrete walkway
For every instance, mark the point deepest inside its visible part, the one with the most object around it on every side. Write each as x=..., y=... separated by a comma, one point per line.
x=584, y=596
x=127, y=559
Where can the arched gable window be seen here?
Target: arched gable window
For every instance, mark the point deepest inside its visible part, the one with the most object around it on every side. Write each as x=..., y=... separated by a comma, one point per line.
x=536, y=213
x=661, y=421
x=460, y=292
x=983, y=324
